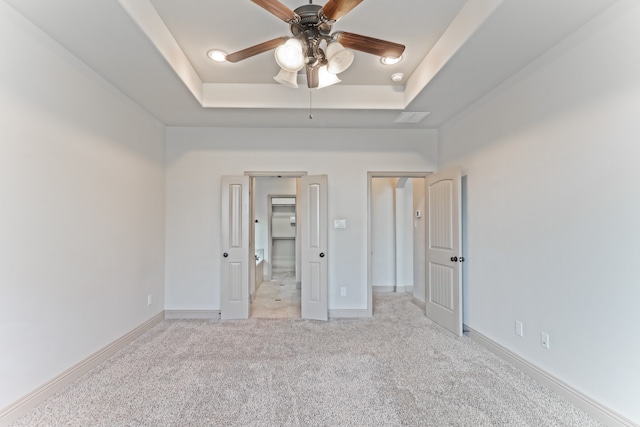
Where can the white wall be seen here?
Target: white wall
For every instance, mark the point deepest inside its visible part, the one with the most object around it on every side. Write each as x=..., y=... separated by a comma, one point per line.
x=551, y=160
x=383, y=232
x=81, y=211
x=197, y=157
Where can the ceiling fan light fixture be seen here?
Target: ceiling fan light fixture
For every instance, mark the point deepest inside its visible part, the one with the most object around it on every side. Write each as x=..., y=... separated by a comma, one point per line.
x=289, y=55
x=287, y=78
x=217, y=55
x=390, y=60
x=313, y=46
x=339, y=58
x=325, y=78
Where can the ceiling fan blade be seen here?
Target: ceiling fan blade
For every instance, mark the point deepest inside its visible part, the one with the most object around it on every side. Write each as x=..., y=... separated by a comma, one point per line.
x=254, y=50
x=278, y=9
x=336, y=9
x=312, y=77
x=369, y=44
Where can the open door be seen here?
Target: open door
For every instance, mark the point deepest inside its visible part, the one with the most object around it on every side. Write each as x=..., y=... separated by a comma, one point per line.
x=313, y=224
x=234, y=283
x=444, y=257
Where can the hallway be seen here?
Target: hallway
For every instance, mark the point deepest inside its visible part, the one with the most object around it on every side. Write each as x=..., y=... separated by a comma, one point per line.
x=277, y=298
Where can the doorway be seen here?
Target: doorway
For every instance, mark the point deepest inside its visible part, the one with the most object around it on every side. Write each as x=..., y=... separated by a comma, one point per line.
x=438, y=221
x=238, y=260
x=276, y=292
x=397, y=234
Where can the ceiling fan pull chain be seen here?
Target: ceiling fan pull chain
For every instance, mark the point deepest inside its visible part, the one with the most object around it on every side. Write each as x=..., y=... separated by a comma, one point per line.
x=310, y=107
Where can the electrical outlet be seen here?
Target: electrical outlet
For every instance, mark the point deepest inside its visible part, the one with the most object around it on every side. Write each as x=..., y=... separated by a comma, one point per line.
x=149, y=299
x=544, y=340
x=343, y=291
x=519, y=328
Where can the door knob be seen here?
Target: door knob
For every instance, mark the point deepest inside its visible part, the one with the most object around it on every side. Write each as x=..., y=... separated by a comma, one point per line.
x=321, y=254
x=454, y=259
x=225, y=254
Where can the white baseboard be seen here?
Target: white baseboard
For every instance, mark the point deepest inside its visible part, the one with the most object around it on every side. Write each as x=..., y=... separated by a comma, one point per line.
x=392, y=288
x=383, y=289
x=348, y=313
x=421, y=304
x=192, y=314
x=598, y=411
x=40, y=394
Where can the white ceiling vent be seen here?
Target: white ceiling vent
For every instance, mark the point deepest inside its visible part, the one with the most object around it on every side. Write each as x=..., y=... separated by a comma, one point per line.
x=411, y=117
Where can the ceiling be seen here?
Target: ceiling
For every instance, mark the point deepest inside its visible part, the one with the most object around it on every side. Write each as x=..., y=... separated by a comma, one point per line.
x=154, y=51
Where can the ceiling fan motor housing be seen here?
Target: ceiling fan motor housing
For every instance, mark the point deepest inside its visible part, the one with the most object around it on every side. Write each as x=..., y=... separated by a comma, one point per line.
x=310, y=18
x=311, y=29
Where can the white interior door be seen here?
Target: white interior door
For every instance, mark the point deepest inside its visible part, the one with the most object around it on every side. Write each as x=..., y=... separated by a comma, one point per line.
x=314, y=257
x=234, y=283
x=444, y=257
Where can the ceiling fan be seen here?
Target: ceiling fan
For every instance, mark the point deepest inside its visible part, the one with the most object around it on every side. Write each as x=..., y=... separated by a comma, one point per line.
x=312, y=46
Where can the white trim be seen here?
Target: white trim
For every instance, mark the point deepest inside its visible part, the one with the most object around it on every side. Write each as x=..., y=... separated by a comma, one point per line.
x=274, y=174
x=383, y=289
x=577, y=398
x=348, y=313
x=31, y=400
x=192, y=314
x=420, y=304
x=392, y=289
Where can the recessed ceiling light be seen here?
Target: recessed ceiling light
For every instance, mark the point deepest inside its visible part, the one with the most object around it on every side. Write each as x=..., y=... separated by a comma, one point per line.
x=390, y=60
x=217, y=55
x=397, y=77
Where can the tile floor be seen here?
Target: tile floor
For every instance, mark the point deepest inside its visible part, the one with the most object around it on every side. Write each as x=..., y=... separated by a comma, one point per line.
x=277, y=298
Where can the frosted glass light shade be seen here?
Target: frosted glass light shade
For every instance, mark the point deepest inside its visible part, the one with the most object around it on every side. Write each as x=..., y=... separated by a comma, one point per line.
x=390, y=60
x=217, y=55
x=339, y=58
x=287, y=78
x=325, y=78
x=289, y=55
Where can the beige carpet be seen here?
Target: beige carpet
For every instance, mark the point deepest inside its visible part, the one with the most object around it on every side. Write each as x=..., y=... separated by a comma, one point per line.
x=395, y=369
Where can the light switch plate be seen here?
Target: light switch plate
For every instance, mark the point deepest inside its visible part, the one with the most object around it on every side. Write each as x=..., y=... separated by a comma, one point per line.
x=519, y=328
x=339, y=223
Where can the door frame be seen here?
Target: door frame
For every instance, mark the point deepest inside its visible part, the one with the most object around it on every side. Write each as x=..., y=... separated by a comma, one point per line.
x=370, y=176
